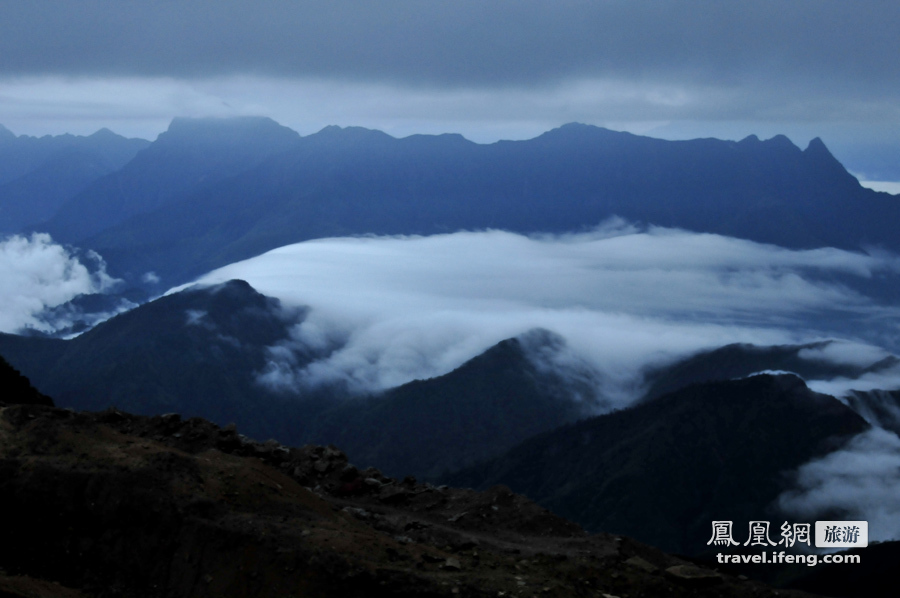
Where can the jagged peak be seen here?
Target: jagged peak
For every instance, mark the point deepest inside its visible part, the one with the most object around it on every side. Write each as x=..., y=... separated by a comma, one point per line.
x=817, y=146
x=819, y=152
x=781, y=141
x=105, y=133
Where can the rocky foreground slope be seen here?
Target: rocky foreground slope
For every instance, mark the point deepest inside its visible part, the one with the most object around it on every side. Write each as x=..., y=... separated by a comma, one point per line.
x=112, y=504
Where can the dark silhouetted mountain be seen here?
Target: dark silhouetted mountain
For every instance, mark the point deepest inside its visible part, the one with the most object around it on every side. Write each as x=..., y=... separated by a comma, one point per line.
x=479, y=410
x=38, y=175
x=201, y=351
x=194, y=352
x=190, y=155
x=355, y=181
x=664, y=470
x=740, y=360
x=17, y=389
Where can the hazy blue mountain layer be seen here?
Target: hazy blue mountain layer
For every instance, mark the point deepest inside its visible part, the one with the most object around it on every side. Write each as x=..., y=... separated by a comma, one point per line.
x=210, y=192
x=191, y=154
x=39, y=174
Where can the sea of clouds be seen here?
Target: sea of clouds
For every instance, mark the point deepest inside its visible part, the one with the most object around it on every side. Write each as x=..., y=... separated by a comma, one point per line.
x=381, y=311
x=387, y=310
x=39, y=277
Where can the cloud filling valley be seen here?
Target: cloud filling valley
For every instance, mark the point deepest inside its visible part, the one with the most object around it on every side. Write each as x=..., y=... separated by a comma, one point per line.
x=388, y=310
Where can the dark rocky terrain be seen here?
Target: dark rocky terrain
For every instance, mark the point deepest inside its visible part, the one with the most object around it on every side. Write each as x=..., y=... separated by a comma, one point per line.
x=112, y=504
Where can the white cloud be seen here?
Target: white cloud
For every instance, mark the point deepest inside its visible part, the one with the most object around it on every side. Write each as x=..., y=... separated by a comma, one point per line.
x=888, y=379
x=386, y=310
x=36, y=274
x=844, y=353
x=862, y=480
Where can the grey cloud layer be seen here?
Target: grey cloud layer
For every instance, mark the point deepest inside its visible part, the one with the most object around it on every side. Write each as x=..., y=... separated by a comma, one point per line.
x=462, y=43
x=400, y=308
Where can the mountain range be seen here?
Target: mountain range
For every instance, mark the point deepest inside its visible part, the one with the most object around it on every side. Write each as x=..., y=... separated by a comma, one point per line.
x=210, y=192
x=39, y=175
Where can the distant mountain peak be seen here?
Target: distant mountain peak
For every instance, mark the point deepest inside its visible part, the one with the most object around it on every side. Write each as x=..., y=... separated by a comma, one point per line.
x=351, y=133
x=105, y=133
x=572, y=129
x=781, y=142
x=231, y=128
x=818, y=153
x=818, y=148
x=216, y=121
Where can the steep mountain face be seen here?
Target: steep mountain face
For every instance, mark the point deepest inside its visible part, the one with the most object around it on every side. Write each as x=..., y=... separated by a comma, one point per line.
x=664, y=470
x=191, y=154
x=354, y=181
x=38, y=175
x=479, y=410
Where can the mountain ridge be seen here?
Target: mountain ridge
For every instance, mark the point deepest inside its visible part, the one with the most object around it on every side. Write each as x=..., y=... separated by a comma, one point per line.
x=346, y=182
x=181, y=212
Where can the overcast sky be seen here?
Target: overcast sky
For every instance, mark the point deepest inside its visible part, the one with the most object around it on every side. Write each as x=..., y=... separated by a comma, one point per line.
x=486, y=68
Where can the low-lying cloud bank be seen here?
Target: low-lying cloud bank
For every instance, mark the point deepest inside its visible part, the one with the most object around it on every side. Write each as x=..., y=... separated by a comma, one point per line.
x=860, y=482
x=387, y=310
x=38, y=277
